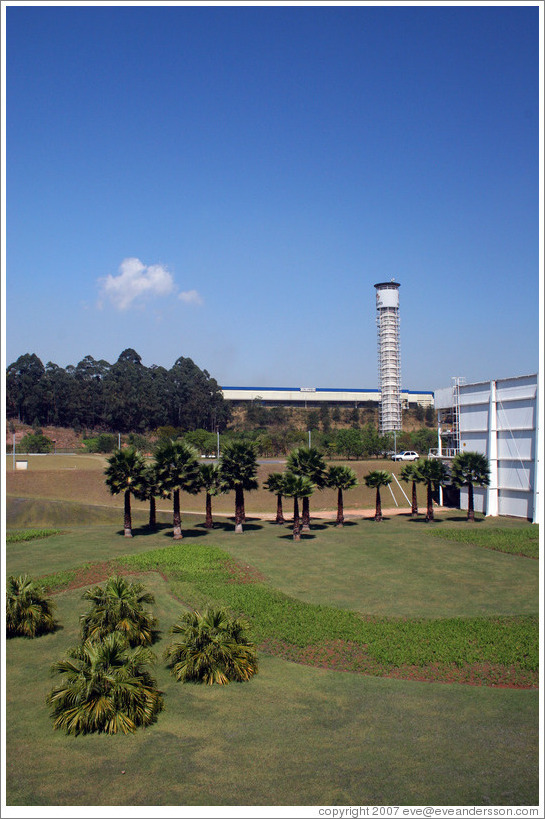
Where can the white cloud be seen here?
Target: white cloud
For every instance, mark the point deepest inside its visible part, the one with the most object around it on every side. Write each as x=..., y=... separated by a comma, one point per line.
x=191, y=297
x=135, y=281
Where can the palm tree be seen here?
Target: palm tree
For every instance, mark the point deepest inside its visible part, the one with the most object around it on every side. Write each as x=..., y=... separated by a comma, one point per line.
x=408, y=473
x=125, y=473
x=238, y=468
x=119, y=607
x=148, y=490
x=29, y=613
x=211, y=483
x=213, y=647
x=307, y=462
x=177, y=465
x=469, y=468
x=432, y=472
x=297, y=486
x=274, y=483
x=375, y=480
x=106, y=687
x=341, y=478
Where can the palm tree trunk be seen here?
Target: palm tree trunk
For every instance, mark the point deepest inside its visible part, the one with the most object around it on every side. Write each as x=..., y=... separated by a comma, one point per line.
x=306, y=515
x=340, y=507
x=296, y=522
x=239, y=508
x=209, y=523
x=378, y=506
x=429, y=513
x=279, y=510
x=414, y=506
x=152, y=513
x=177, y=520
x=470, y=502
x=128, y=521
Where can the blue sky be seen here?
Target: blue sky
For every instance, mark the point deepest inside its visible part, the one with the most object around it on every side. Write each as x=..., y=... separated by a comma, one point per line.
x=228, y=184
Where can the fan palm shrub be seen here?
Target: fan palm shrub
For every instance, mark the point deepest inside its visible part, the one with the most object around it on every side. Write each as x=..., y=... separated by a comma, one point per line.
x=296, y=487
x=274, y=484
x=177, y=468
x=341, y=478
x=119, y=607
x=106, y=687
x=468, y=469
x=29, y=612
x=213, y=647
x=125, y=473
x=307, y=462
x=238, y=468
x=376, y=479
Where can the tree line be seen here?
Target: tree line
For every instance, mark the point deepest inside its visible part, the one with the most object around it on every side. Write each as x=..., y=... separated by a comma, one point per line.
x=126, y=396
x=176, y=469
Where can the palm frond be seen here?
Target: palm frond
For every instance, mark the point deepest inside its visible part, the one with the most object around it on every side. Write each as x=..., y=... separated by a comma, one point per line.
x=212, y=648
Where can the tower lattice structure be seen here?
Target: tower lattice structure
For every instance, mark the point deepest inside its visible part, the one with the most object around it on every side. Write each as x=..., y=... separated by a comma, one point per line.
x=389, y=364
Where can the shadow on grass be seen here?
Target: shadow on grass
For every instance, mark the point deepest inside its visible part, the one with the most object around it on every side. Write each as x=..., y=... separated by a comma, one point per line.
x=189, y=532
x=422, y=519
x=145, y=530
x=229, y=525
x=372, y=519
x=465, y=520
x=57, y=627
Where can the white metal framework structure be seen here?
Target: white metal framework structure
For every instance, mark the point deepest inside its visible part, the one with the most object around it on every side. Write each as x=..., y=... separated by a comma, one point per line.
x=499, y=419
x=389, y=367
x=448, y=421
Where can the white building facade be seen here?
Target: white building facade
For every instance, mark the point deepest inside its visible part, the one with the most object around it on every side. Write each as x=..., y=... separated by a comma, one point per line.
x=316, y=396
x=500, y=420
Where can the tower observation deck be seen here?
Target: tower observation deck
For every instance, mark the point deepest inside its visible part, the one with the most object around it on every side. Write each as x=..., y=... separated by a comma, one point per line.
x=389, y=365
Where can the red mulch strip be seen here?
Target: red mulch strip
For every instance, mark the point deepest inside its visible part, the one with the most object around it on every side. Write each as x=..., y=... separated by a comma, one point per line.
x=340, y=655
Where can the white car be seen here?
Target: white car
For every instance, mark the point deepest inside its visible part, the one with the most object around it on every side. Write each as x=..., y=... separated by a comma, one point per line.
x=408, y=455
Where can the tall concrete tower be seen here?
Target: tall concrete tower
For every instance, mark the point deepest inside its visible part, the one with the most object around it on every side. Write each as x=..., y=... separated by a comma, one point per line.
x=389, y=366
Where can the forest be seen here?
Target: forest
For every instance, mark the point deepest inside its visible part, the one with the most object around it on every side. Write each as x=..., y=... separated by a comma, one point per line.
x=125, y=396
x=98, y=401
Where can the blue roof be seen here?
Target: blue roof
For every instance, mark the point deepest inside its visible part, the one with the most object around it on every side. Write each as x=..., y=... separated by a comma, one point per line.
x=325, y=389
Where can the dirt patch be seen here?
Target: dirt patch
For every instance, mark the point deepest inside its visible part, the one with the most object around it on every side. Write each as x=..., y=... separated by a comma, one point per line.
x=244, y=573
x=89, y=576
x=64, y=437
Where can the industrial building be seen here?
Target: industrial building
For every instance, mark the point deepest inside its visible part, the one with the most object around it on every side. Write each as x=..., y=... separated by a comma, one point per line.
x=318, y=396
x=499, y=419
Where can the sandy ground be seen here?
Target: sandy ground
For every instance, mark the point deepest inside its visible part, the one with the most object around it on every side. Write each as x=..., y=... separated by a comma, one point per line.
x=330, y=514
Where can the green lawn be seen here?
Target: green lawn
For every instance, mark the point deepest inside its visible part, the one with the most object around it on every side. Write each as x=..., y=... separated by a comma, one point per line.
x=295, y=734
x=393, y=568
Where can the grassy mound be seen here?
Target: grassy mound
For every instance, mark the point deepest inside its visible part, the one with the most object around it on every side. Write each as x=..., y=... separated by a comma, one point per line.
x=207, y=575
